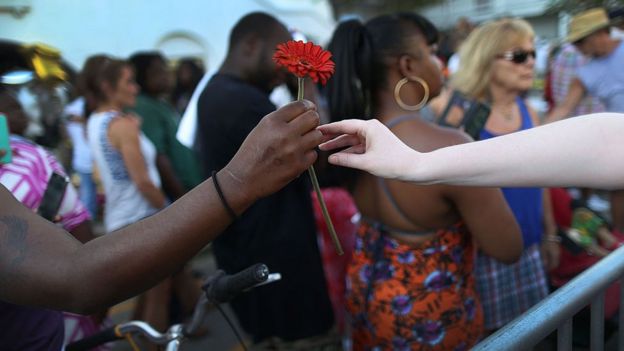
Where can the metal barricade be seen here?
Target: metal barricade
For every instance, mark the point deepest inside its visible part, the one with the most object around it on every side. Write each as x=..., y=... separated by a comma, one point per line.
x=556, y=311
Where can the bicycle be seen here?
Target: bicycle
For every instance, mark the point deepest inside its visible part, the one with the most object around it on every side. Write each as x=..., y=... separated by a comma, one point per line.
x=218, y=289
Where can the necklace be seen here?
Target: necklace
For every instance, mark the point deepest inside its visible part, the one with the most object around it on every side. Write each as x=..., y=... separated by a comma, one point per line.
x=507, y=114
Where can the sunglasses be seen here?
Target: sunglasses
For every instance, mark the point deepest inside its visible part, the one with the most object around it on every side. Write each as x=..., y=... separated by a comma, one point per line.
x=517, y=56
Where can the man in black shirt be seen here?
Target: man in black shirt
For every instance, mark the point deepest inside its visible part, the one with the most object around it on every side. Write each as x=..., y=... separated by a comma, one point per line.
x=278, y=230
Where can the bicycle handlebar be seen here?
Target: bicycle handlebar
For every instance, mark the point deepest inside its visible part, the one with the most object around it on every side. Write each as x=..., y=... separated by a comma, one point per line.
x=220, y=288
x=94, y=340
x=132, y=327
x=223, y=288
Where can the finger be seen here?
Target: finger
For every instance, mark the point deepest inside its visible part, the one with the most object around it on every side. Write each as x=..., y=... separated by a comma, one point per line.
x=309, y=158
x=305, y=123
x=311, y=140
x=348, y=126
x=355, y=149
x=292, y=110
x=328, y=137
x=340, y=142
x=347, y=160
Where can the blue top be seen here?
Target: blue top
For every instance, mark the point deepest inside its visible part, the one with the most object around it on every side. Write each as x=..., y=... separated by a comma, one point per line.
x=603, y=77
x=525, y=203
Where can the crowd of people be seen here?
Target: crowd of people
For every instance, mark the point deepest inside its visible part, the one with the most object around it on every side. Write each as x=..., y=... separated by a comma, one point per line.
x=446, y=239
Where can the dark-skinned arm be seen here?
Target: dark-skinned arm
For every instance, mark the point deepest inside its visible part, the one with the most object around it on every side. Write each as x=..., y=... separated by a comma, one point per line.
x=43, y=265
x=171, y=185
x=83, y=232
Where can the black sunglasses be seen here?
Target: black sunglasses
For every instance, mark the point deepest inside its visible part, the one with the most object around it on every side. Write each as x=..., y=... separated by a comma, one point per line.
x=517, y=56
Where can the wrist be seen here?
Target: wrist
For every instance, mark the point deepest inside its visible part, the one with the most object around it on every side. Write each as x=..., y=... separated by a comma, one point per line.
x=551, y=238
x=235, y=192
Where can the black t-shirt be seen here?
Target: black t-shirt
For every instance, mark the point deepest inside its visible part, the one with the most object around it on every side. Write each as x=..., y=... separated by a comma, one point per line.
x=278, y=230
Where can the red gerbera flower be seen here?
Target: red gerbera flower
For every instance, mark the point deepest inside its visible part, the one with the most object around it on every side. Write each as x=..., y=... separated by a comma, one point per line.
x=305, y=59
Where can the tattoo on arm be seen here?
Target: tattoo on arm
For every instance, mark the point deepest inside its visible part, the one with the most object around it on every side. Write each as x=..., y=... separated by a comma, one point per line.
x=14, y=246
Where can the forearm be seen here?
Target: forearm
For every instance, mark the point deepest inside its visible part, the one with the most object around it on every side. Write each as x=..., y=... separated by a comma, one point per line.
x=570, y=102
x=171, y=184
x=550, y=225
x=558, y=113
x=83, y=232
x=151, y=193
x=156, y=247
x=43, y=265
x=121, y=264
x=583, y=151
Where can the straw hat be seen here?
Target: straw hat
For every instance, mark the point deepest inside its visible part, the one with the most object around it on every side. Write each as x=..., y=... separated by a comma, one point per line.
x=586, y=23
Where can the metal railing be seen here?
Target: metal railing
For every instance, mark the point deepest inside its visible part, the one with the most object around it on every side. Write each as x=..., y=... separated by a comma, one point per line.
x=556, y=311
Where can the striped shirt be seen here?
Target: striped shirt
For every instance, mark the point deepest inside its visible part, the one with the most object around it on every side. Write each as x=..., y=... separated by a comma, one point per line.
x=26, y=177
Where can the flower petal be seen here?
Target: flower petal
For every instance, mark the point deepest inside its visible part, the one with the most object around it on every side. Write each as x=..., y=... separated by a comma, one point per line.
x=305, y=59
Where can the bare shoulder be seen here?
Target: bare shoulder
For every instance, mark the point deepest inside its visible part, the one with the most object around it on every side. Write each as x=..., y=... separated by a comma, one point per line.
x=450, y=136
x=123, y=126
x=123, y=130
x=424, y=136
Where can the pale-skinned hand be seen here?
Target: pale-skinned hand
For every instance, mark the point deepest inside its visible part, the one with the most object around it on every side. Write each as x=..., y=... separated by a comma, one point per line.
x=370, y=146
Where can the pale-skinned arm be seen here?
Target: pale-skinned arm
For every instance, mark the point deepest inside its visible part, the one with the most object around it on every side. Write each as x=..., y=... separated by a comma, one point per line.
x=582, y=151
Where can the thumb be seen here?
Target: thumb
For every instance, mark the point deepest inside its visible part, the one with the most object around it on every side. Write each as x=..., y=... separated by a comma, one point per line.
x=345, y=159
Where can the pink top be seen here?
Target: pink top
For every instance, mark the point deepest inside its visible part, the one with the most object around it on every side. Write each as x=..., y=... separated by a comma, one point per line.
x=26, y=177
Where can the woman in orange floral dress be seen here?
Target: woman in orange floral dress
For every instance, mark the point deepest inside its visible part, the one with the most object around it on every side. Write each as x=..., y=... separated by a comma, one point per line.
x=410, y=284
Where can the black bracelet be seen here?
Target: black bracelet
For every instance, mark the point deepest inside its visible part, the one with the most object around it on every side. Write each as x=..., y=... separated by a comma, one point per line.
x=230, y=211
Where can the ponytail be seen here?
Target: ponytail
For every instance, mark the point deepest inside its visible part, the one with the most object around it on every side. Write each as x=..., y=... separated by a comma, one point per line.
x=348, y=93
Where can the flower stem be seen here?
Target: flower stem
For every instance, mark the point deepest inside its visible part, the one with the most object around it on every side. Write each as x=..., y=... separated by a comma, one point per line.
x=328, y=222
x=300, y=88
x=317, y=188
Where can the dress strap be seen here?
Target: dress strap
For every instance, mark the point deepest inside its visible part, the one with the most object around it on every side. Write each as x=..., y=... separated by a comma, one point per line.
x=527, y=122
x=400, y=119
x=384, y=228
x=384, y=187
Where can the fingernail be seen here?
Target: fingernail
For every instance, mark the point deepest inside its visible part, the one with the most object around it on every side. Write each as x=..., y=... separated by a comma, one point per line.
x=308, y=104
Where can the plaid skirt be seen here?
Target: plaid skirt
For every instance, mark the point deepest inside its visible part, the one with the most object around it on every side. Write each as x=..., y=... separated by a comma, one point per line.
x=507, y=291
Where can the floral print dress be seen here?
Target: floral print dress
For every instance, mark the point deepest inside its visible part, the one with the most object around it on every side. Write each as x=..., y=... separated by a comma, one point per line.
x=403, y=297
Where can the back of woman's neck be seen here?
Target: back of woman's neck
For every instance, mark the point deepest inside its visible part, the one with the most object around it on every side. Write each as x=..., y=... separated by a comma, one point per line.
x=390, y=110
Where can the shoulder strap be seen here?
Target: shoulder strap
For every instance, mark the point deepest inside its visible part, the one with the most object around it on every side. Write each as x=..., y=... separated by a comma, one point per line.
x=527, y=122
x=384, y=186
x=398, y=120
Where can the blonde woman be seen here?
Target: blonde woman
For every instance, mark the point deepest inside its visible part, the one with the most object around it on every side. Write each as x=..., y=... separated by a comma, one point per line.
x=497, y=62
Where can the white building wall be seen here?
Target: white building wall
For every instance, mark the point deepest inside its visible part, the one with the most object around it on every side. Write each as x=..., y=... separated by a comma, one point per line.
x=80, y=28
x=446, y=14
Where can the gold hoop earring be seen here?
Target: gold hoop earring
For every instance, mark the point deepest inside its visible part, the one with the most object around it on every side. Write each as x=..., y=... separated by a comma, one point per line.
x=397, y=94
